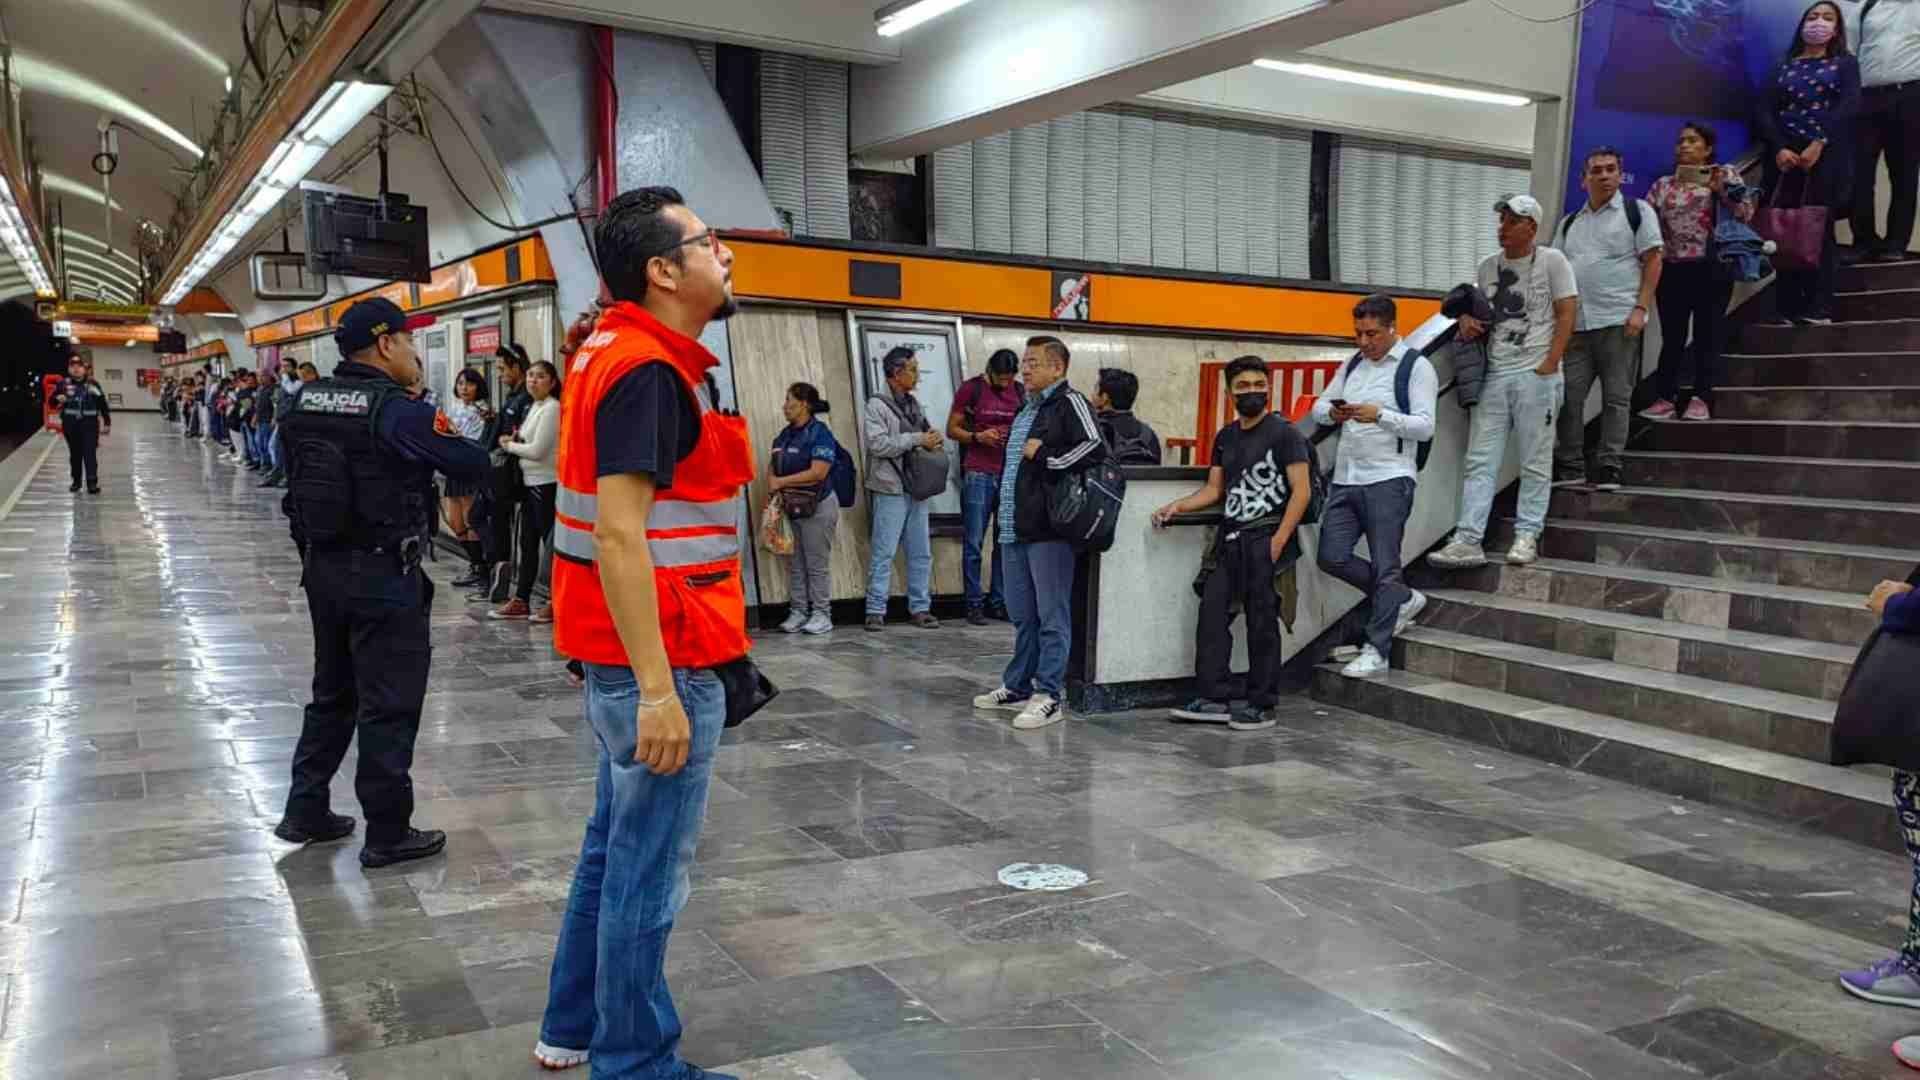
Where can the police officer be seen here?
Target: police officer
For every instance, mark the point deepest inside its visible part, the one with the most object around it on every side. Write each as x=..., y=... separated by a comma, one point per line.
x=361, y=453
x=84, y=417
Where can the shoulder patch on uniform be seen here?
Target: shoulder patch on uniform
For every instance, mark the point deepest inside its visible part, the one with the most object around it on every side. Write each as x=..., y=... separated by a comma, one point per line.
x=337, y=402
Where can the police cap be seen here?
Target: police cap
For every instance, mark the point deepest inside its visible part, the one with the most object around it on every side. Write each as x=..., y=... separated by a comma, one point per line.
x=367, y=320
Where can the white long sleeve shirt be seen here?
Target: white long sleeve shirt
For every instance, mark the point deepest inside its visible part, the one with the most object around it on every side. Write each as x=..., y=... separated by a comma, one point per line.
x=539, y=435
x=1888, y=41
x=1385, y=449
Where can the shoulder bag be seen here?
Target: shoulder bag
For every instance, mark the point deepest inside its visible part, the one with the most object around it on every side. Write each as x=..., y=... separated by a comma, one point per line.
x=923, y=472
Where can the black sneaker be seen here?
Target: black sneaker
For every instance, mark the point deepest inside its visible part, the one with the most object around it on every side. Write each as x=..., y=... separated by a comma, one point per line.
x=875, y=624
x=1252, y=719
x=475, y=576
x=1607, y=480
x=93, y=489
x=502, y=583
x=976, y=617
x=75, y=487
x=999, y=614
x=1564, y=477
x=331, y=827
x=418, y=844
x=1204, y=711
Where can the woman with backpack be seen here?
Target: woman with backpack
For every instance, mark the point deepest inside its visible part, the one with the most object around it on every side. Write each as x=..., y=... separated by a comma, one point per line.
x=804, y=454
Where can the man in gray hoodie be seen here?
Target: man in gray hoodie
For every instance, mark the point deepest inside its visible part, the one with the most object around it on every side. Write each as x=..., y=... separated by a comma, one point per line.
x=896, y=426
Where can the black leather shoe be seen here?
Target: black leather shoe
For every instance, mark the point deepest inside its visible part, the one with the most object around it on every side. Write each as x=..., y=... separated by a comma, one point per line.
x=418, y=844
x=75, y=487
x=475, y=576
x=93, y=489
x=331, y=827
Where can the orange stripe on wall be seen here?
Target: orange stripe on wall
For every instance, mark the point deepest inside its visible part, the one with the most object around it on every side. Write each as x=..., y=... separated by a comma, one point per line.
x=1208, y=305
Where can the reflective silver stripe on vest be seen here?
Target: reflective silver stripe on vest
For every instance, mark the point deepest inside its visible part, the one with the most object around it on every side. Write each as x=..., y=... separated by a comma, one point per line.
x=574, y=543
x=577, y=505
x=693, y=550
x=680, y=514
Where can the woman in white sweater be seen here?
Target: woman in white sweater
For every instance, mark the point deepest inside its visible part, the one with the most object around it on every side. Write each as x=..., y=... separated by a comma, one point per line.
x=537, y=447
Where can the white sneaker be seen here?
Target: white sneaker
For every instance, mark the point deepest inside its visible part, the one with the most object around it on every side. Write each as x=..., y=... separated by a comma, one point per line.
x=1367, y=665
x=1001, y=700
x=821, y=623
x=1525, y=549
x=1409, y=611
x=1041, y=710
x=557, y=1057
x=1458, y=555
x=795, y=620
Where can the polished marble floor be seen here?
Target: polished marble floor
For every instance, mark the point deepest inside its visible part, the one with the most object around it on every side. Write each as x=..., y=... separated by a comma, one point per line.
x=1341, y=897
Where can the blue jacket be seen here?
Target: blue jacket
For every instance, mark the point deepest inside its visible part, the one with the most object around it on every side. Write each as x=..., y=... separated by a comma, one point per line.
x=1741, y=251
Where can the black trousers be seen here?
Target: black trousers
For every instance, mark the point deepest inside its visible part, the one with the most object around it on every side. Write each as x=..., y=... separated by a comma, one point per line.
x=83, y=449
x=1242, y=577
x=370, y=658
x=536, y=521
x=497, y=541
x=1889, y=124
x=1692, y=297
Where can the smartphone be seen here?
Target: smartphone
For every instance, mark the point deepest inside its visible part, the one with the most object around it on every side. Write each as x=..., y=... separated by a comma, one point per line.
x=1339, y=403
x=1696, y=175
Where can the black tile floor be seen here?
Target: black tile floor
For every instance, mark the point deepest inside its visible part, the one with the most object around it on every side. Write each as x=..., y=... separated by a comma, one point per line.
x=1340, y=897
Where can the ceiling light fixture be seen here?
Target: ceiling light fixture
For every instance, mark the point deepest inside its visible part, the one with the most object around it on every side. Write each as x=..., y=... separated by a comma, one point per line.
x=901, y=17
x=19, y=241
x=53, y=181
x=1389, y=82
x=36, y=73
x=221, y=314
x=331, y=119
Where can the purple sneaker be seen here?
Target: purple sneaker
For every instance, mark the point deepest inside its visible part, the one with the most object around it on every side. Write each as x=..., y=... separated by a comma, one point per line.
x=1889, y=982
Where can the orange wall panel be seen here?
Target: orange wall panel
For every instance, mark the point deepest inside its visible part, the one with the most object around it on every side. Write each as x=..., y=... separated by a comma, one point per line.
x=1207, y=305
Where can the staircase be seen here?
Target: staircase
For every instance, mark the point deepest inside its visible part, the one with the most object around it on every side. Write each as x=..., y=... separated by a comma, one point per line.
x=1691, y=632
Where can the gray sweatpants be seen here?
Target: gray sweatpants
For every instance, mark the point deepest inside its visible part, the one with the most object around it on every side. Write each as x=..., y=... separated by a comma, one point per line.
x=810, y=567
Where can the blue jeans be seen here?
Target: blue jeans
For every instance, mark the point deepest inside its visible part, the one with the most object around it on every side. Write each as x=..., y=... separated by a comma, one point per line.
x=1528, y=406
x=979, y=503
x=1040, y=602
x=899, y=520
x=273, y=445
x=608, y=991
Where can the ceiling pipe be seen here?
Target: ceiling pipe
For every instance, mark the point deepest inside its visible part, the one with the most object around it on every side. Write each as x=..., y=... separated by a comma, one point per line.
x=606, y=115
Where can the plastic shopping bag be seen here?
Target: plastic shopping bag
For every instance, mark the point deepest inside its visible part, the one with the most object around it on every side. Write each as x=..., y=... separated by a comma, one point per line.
x=776, y=533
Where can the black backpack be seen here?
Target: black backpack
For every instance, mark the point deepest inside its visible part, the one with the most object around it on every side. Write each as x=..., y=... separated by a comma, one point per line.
x=1632, y=208
x=1402, y=400
x=1084, y=505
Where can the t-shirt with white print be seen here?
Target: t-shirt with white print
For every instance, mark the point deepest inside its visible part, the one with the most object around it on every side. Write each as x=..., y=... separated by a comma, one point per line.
x=1254, y=464
x=1522, y=292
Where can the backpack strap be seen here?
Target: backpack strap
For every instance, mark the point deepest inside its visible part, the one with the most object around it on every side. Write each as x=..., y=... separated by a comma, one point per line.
x=1633, y=216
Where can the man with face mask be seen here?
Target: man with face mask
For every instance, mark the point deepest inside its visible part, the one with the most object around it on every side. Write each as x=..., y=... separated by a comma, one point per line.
x=1261, y=479
x=360, y=459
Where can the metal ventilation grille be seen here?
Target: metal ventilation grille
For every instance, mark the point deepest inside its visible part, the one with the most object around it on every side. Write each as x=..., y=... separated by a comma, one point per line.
x=1102, y=188
x=1416, y=218
x=803, y=142
x=1066, y=186
x=1230, y=201
x=1030, y=190
x=993, y=193
x=1202, y=175
x=1136, y=188
x=953, y=197
x=1169, y=192
x=705, y=51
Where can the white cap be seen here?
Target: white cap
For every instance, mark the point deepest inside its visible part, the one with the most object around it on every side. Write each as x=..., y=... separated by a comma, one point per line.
x=1525, y=206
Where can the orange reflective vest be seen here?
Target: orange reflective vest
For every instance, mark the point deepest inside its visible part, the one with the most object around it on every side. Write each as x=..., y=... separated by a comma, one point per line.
x=693, y=530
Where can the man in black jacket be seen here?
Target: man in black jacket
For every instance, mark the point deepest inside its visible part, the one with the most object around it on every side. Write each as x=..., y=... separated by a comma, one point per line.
x=1054, y=434
x=507, y=482
x=84, y=417
x=1129, y=439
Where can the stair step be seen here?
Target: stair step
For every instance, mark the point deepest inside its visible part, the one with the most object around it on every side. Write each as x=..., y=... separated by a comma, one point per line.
x=1877, y=303
x=1850, y=568
x=1847, y=478
x=1813, y=614
x=1786, y=517
x=1898, y=404
x=1812, y=669
x=1862, y=277
x=1856, y=439
x=1820, y=369
x=1865, y=336
x=1850, y=803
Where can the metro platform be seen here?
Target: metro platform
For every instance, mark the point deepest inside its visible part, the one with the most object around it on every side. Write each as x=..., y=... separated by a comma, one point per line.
x=1340, y=897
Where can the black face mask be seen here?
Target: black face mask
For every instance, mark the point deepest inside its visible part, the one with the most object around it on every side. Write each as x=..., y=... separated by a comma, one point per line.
x=1250, y=404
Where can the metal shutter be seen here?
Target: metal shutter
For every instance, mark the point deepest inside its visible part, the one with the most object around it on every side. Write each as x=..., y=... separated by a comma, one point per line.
x=1263, y=225
x=1169, y=192
x=993, y=193
x=1137, y=131
x=783, y=135
x=1413, y=217
x=1029, y=190
x=953, y=197
x=1203, y=185
x=828, y=213
x=1230, y=200
x=1293, y=232
x=1067, y=186
x=1102, y=187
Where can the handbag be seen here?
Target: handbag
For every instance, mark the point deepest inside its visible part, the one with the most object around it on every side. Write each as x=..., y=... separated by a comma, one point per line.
x=1879, y=710
x=923, y=472
x=800, y=502
x=1799, y=233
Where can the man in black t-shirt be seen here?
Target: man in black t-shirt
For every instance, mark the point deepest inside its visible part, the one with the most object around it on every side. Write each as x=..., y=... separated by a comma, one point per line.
x=1260, y=478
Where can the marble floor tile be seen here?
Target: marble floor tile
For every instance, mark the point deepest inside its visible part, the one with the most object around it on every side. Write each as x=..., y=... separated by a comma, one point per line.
x=806, y=944
x=982, y=979
x=779, y=1016
x=1182, y=1017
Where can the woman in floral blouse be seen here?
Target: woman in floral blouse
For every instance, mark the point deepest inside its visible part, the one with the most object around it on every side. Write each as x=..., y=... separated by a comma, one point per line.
x=1804, y=118
x=1693, y=295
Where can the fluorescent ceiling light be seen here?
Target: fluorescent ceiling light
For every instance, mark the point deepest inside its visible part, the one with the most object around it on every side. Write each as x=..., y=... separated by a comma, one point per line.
x=119, y=254
x=68, y=186
x=1389, y=82
x=221, y=314
x=900, y=18
x=47, y=77
x=142, y=18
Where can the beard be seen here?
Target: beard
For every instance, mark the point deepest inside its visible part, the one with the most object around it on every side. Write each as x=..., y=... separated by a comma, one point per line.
x=728, y=309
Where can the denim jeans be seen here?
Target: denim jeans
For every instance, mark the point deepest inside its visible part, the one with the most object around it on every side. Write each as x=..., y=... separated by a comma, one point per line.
x=899, y=521
x=608, y=990
x=1528, y=406
x=979, y=503
x=273, y=447
x=1040, y=602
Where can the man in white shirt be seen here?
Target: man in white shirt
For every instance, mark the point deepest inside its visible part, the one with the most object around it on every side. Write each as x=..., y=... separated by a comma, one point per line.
x=1887, y=36
x=1616, y=267
x=1374, y=472
x=1534, y=302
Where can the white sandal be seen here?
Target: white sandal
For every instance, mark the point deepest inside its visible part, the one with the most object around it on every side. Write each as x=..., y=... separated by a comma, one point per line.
x=558, y=1057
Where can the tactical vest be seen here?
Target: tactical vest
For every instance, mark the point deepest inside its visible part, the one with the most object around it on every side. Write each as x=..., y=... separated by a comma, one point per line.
x=345, y=488
x=81, y=404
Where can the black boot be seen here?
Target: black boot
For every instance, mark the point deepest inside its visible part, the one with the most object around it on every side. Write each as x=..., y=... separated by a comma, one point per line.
x=319, y=831
x=416, y=844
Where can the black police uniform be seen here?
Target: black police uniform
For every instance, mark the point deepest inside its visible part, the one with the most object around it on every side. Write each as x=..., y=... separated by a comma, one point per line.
x=360, y=459
x=83, y=408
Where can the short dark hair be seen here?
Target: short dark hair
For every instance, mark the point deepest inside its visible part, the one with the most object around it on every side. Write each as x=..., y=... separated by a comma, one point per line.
x=1378, y=306
x=1003, y=362
x=308, y=365
x=897, y=357
x=1054, y=347
x=1704, y=130
x=507, y=355
x=633, y=231
x=1619, y=158
x=470, y=375
x=1121, y=387
x=1246, y=363
x=809, y=395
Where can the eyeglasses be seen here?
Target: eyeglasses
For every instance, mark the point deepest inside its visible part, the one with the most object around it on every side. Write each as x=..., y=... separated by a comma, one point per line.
x=708, y=238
